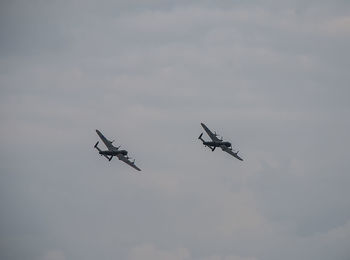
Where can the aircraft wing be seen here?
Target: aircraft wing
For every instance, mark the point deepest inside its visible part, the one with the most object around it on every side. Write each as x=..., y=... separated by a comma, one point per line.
x=105, y=140
x=229, y=151
x=127, y=161
x=210, y=133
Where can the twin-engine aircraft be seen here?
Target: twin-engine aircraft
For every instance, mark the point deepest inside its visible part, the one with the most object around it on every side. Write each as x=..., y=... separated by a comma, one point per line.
x=216, y=142
x=114, y=151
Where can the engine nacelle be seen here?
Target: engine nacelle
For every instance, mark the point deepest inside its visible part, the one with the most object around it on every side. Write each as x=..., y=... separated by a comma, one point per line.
x=123, y=152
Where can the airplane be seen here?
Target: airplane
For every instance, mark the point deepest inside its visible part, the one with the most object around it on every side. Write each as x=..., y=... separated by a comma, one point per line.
x=114, y=151
x=216, y=142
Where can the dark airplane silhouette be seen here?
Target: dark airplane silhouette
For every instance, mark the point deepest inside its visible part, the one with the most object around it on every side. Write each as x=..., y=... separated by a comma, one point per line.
x=216, y=142
x=114, y=151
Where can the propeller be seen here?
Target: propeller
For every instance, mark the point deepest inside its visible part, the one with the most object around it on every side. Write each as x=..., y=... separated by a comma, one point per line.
x=219, y=136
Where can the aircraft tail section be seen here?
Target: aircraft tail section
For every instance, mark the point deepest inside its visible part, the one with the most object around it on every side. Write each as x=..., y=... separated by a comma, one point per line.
x=200, y=137
x=96, y=147
x=99, y=150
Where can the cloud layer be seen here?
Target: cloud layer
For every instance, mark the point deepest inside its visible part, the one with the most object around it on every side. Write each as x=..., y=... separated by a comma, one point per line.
x=271, y=77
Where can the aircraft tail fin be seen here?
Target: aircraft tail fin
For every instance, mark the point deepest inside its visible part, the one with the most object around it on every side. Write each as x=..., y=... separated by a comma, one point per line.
x=200, y=137
x=96, y=147
x=99, y=150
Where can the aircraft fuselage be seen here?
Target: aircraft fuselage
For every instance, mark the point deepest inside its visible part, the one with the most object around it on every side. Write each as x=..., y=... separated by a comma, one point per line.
x=217, y=144
x=114, y=153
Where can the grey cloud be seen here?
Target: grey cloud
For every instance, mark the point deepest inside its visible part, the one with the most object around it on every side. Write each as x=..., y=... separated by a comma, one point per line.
x=269, y=76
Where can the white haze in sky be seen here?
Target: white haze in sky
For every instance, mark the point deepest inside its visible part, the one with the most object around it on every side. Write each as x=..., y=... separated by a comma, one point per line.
x=270, y=76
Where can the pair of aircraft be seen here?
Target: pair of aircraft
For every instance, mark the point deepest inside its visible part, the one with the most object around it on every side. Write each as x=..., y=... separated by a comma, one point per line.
x=123, y=154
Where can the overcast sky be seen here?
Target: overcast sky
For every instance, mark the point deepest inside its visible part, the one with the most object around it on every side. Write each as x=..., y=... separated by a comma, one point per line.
x=270, y=76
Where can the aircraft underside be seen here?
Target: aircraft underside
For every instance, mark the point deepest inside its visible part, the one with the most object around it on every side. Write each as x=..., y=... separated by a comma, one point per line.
x=113, y=153
x=217, y=142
